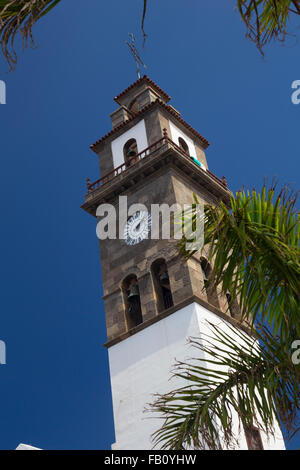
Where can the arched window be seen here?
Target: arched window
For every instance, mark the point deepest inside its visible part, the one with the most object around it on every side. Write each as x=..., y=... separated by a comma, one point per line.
x=183, y=145
x=206, y=269
x=131, y=293
x=210, y=289
x=233, y=305
x=253, y=438
x=130, y=152
x=162, y=286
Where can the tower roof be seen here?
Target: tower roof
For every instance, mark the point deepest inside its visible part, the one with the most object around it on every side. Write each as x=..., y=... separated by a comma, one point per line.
x=158, y=102
x=144, y=80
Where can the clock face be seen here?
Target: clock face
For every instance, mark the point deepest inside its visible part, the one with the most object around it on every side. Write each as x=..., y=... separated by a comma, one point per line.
x=137, y=228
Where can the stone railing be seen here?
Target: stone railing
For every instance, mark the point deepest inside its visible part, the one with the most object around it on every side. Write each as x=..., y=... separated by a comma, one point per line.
x=140, y=156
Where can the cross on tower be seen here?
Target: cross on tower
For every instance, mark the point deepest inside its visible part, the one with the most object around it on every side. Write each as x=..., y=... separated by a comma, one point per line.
x=136, y=56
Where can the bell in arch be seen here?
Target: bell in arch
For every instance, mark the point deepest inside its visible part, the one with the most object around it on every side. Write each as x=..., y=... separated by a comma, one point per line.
x=204, y=268
x=134, y=292
x=205, y=278
x=164, y=276
x=131, y=153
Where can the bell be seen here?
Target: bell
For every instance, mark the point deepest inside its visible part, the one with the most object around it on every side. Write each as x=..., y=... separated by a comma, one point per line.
x=164, y=278
x=205, y=278
x=133, y=293
x=228, y=295
x=131, y=153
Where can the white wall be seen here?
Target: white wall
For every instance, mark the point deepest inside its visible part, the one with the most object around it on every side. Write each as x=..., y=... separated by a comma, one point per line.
x=140, y=366
x=269, y=444
x=138, y=133
x=176, y=133
x=26, y=447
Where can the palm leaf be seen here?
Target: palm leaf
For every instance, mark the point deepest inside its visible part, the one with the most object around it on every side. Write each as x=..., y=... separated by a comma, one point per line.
x=254, y=249
x=232, y=376
x=20, y=16
x=266, y=19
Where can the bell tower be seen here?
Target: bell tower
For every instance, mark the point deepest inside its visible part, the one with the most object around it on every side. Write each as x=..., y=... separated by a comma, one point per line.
x=154, y=299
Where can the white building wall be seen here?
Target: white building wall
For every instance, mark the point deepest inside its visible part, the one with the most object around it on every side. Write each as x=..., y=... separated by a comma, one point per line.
x=138, y=133
x=140, y=366
x=26, y=447
x=176, y=133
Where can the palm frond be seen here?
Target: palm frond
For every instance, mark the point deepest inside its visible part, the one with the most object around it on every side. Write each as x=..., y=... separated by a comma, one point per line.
x=267, y=19
x=232, y=378
x=20, y=16
x=255, y=252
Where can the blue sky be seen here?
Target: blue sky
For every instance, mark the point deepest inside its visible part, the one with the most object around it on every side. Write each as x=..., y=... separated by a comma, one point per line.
x=55, y=390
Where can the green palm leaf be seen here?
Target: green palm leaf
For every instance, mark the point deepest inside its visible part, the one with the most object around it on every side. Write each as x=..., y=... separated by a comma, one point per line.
x=254, y=249
x=267, y=19
x=253, y=246
x=231, y=377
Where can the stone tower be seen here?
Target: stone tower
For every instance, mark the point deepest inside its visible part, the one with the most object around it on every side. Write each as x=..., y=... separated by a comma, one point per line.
x=154, y=299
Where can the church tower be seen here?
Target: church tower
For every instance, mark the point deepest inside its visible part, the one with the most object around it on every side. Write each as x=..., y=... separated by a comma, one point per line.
x=154, y=299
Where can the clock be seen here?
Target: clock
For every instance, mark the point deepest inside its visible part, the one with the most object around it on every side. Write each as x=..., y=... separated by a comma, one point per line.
x=137, y=228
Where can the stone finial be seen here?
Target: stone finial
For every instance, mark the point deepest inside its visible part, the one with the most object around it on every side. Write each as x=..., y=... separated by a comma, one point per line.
x=224, y=181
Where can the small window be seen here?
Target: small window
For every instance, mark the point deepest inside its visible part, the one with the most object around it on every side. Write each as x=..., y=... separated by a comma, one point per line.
x=210, y=289
x=131, y=293
x=183, y=145
x=253, y=438
x=233, y=305
x=162, y=285
x=229, y=300
x=130, y=152
x=205, y=266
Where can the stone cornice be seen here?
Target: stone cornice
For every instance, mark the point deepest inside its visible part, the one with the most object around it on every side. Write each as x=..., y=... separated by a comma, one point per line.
x=175, y=308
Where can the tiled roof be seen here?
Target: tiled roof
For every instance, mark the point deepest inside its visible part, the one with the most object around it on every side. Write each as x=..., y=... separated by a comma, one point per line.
x=143, y=79
x=204, y=141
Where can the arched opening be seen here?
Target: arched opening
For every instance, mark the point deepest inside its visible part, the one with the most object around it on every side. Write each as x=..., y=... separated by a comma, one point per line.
x=130, y=151
x=183, y=145
x=162, y=286
x=253, y=437
x=210, y=289
x=233, y=306
x=131, y=293
x=133, y=107
x=206, y=269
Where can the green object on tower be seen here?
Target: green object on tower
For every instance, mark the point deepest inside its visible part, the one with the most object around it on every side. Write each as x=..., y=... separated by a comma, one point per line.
x=198, y=163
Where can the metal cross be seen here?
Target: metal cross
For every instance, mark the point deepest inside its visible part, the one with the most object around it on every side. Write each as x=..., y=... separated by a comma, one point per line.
x=136, y=56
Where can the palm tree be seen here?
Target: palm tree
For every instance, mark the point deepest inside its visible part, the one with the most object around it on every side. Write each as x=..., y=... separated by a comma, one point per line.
x=231, y=380
x=254, y=245
x=254, y=248
x=264, y=20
